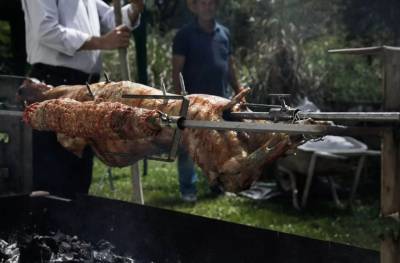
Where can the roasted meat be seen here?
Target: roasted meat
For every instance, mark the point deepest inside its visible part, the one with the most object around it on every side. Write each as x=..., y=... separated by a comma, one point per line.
x=122, y=131
x=104, y=120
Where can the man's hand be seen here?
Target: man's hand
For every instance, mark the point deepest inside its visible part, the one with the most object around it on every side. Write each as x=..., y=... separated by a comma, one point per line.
x=116, y=38
x=32, y=90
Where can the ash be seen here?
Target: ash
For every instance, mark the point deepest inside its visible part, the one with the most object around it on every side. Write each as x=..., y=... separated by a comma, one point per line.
x=58, y=247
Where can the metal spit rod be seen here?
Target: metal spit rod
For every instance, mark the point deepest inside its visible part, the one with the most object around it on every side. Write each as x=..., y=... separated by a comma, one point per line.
x=311, y=129
x=161, y=97
x=328, y=116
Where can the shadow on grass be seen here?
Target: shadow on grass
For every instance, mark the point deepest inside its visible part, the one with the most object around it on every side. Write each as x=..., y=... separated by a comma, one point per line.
x=321, y=207
x=176, y=201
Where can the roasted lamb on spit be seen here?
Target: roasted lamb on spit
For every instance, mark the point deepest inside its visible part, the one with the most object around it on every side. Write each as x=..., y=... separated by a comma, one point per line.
x=122, y=131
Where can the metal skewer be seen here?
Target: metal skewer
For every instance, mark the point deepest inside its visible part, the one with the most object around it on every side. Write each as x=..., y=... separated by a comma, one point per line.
x=311, y=129
x=328, y=116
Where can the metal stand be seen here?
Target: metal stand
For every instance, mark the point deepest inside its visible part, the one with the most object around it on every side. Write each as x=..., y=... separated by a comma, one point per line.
x=310, y=176
x=15, y=154
x=110, y=178
x=137, y=185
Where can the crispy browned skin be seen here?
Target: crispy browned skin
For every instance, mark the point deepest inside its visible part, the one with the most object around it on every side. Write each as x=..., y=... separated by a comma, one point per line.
x=90, y=119
x=229, y=158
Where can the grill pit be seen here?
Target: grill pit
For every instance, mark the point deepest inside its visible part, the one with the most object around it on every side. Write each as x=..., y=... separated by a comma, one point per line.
x=150, y=234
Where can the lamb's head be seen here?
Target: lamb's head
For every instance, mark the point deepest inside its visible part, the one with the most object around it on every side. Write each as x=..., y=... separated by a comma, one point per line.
x=32, y=90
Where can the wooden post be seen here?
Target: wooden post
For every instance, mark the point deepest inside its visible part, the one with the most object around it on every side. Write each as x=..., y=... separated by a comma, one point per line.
x=390, y=250
x=123, y=60
x=390, y=163
x=390, y=177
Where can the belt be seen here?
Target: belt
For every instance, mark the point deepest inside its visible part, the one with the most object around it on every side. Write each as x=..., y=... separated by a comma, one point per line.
x=68, y=75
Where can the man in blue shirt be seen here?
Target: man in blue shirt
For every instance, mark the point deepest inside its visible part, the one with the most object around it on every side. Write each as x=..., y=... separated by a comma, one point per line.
x=202, y=52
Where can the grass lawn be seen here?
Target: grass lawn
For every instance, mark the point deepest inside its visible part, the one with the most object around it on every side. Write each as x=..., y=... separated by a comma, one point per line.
x=322, y=220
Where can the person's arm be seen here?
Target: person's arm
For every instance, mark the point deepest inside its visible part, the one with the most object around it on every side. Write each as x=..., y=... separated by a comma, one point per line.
x=43, y=15
x=178, y=61
x=67, y=40
x=233, y=81
x=116, y=38
x=130, y=14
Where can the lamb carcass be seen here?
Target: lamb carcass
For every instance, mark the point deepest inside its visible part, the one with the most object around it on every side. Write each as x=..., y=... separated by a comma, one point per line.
x=122, y=131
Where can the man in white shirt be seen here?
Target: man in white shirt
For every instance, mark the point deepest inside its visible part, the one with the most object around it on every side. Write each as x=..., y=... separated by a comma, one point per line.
x=63, y=42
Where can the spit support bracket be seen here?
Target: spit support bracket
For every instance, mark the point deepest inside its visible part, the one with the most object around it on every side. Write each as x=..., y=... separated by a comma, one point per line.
x=275, y=112
x=283, y=112
x=166, y=120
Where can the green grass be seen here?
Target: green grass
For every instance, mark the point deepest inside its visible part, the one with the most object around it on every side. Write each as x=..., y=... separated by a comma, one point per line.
x=322, y=220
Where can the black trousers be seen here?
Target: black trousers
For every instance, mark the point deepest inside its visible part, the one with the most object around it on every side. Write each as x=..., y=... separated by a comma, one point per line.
x=55, y=169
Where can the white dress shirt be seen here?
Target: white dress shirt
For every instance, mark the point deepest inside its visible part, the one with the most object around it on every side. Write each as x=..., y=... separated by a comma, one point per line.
x=56, y=29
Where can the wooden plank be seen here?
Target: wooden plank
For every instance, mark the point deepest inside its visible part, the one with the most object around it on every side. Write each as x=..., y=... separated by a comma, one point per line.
x=358, y=51
x=390, y=174
x=364, y=50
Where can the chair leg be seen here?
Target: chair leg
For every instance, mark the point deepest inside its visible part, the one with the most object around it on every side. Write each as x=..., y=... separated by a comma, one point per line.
x=357, y=176
x=293, y=186
x=310, y=175
x=335, y=196
x=295, y=191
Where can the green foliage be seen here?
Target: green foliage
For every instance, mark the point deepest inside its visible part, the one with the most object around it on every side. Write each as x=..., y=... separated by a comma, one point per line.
x=5, y=39
x=280, y=47
x=372, y=22
x=5, y=50
x=341, y=78
x=160, y=58
x=159, y=51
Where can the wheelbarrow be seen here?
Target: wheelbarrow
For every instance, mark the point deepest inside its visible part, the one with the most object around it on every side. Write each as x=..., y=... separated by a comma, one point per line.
x=326, y=156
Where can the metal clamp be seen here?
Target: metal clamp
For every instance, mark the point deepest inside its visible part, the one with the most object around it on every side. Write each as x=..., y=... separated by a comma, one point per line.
x=169, y=121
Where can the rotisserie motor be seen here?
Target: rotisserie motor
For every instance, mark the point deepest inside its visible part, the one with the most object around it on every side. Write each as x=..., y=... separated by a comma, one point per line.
x=122, y=131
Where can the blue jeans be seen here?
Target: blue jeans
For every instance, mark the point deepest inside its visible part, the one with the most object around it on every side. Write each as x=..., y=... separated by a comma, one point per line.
x=187, y=174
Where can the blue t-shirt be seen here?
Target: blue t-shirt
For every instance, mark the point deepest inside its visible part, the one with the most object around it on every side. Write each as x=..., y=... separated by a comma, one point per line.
x=206, y=68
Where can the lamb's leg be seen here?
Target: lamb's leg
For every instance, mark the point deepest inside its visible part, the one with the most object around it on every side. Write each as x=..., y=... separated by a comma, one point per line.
x=239, y=173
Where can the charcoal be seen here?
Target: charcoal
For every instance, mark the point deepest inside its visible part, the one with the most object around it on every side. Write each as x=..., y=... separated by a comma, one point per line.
x=58, y=247
x=9, y=252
